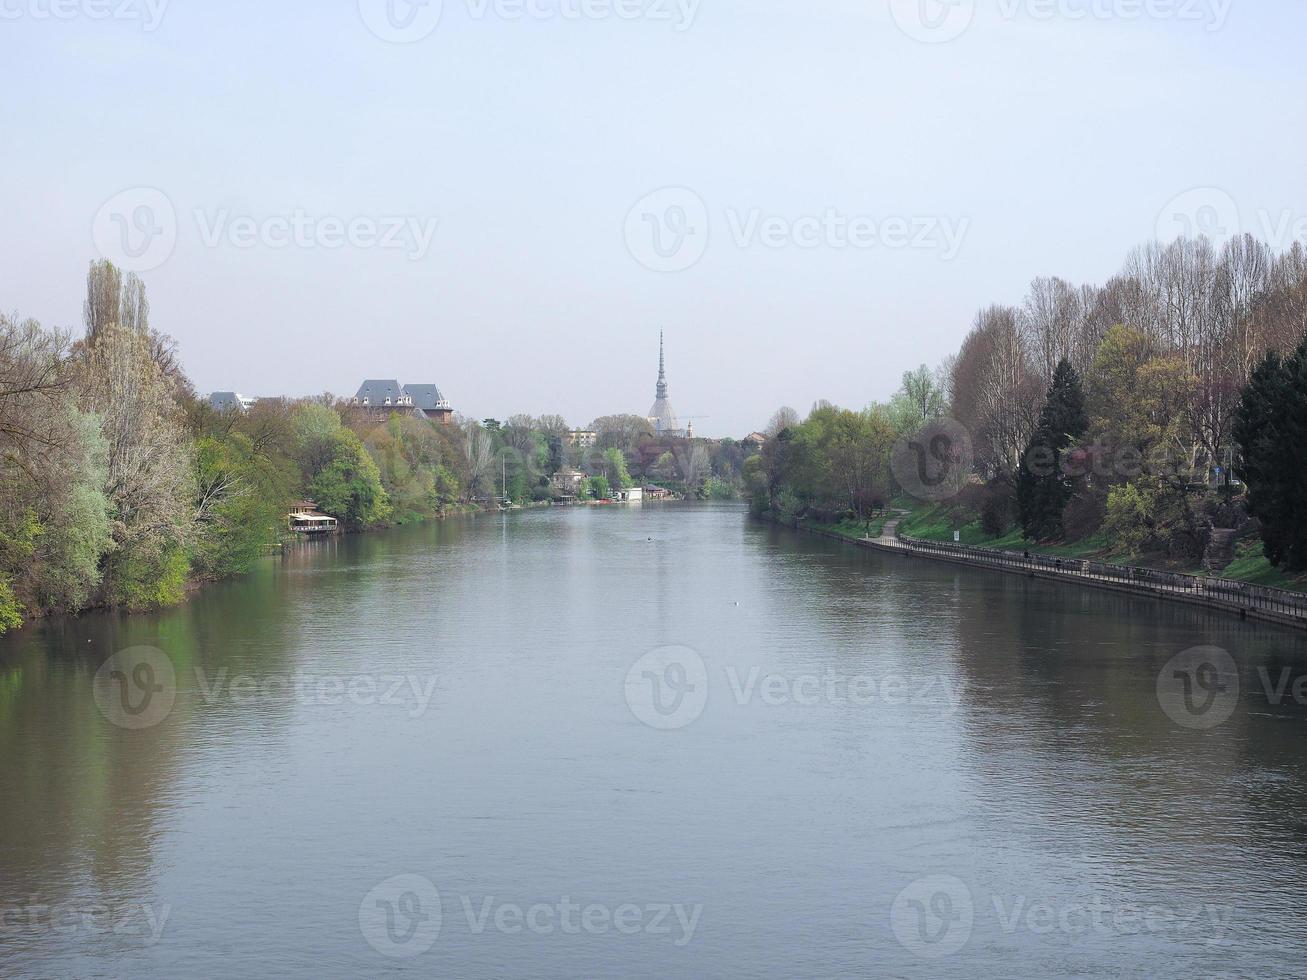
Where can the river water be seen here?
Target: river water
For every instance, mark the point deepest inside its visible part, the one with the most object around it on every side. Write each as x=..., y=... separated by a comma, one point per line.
x=659, y=741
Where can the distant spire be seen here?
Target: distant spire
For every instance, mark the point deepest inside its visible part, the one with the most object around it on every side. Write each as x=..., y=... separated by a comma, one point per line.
x=661, y=415
x=662, y=369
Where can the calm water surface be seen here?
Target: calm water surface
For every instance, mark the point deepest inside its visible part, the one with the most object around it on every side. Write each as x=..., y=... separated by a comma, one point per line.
x=462, y=750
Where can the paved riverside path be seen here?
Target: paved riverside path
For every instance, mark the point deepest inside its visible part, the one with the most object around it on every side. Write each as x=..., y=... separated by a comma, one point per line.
x=1135, y=581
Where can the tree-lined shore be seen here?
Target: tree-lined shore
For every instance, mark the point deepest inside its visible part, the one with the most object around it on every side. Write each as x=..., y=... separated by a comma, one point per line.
x=1145, y=419
x=120, y=487
x=1141, y=419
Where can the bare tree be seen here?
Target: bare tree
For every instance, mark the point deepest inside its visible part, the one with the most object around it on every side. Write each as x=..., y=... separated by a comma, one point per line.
x=783, y=418
x=33, y=384
x=996, y=393
x=694, y=464
x=1049, y=320
x=478, y=456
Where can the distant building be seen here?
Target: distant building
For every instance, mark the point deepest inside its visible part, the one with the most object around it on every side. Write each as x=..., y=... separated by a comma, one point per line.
x=662, y=417
x=582, y=438
x=568, y=482
x=428, y=400
x=383, y=397
x=305, y=518
x=230, y=401
x=754, y=440
x=382, y=394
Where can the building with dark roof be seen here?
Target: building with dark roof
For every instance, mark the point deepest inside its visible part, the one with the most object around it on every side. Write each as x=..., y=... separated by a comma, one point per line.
x=382, y=398
x=381, y=394
x=428, y=400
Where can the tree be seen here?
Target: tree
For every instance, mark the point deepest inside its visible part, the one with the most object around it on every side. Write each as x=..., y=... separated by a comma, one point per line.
x=995, y=390
x=113, y=299
x=918, y=400
x=784, y=418
x=1049, y=322
x=665, y=467
x=314, y=431
x=858, y=450
x=1043, y=486
x=349, y=486
x=243, y=501
x=75, y=515
x=615, y=468
x=1271, y=429
x=478, y=457
x=34, y=380
x=1132, y=516
x=149, y=475
x=622, y=432
x=694, y=465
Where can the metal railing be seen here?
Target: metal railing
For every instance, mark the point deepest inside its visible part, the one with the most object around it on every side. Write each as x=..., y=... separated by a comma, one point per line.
x=1148, y=580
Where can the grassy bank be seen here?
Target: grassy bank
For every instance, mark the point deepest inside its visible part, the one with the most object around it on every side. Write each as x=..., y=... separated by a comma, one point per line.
x=853, y=529
x=937, y=522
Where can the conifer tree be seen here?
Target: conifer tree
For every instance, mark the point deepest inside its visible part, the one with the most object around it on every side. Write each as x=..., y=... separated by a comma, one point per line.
x=1043, y=489
x=1270, y=427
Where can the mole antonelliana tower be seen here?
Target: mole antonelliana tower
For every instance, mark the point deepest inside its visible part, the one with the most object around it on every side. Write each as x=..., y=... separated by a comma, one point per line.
x=662, y=416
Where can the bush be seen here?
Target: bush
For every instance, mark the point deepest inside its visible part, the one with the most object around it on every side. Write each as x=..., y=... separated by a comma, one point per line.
x=715, y=489
x=996, y=510
x=1084, y=515
x=11, y=610
x=1131, y=516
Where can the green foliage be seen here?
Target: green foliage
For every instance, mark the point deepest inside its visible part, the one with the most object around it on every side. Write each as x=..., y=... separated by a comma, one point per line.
x=315, y=429
x=715, y=489
x=128, y=378
x=411, y=455
x=18, y=537
x=242, y=508
x=835, y=459
x=756, y=485
x=615, y=468
x=11, y=610
x=1132, y=512
x=920, y=399
x=349, y=486
x=599, y=487
x=1271, y=428
x=151, y=580
x=1043, y=487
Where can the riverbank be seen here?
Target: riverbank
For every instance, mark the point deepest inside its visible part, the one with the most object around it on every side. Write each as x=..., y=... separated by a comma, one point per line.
x=1237, y=598
x=1249, y=564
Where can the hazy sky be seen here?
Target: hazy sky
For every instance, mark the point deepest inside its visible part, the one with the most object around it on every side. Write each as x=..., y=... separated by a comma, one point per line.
x=322, y=192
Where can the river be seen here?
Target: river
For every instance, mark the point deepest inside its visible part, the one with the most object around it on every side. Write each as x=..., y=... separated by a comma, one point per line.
x=647, y=742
